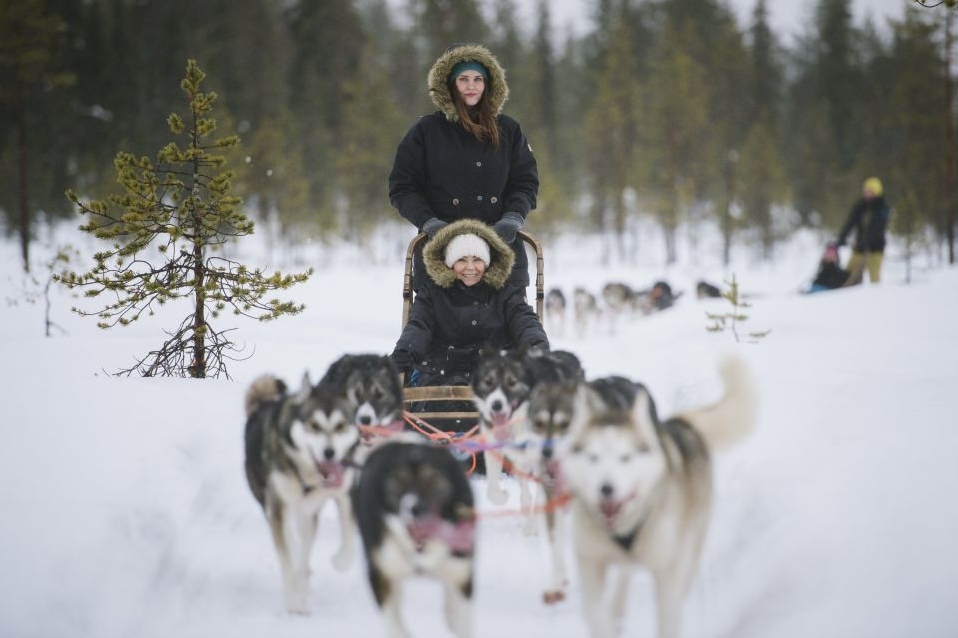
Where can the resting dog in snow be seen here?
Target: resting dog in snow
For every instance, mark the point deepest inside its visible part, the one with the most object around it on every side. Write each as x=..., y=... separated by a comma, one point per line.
x=642, y=491
x=299, y=452
x=414, y=508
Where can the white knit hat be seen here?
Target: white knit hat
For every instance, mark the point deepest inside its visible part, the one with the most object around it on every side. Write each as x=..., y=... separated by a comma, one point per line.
x=465, y=245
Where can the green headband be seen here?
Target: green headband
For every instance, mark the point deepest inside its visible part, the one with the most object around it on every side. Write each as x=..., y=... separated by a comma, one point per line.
x=469, y=65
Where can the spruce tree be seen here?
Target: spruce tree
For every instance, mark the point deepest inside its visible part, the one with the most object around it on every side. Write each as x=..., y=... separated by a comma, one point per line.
x=164, y=233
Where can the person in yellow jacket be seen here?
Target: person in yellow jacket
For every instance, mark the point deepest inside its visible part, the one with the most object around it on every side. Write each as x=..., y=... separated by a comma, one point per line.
x=868, y=218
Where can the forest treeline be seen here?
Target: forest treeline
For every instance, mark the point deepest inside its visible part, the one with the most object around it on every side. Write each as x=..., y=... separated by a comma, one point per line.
x=664, y=109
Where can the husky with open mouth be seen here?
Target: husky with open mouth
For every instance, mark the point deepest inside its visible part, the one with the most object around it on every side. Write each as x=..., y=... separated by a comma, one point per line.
x=299, y=454
x=371, y=385
x=501, y=386
x=415, y=511
x=642, y=491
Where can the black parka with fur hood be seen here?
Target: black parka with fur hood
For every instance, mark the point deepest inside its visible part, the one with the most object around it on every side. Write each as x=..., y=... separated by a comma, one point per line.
x=441, y=170
x=450, y=323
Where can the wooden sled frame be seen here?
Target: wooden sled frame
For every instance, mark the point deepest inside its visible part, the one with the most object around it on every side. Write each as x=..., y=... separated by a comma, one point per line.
x=429, y=394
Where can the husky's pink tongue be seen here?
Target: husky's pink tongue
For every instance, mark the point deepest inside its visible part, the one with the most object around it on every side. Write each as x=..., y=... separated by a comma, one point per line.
x=554, y=475
x=332, y=473
x=500, y=427
x=460, y=537
x=609, y=508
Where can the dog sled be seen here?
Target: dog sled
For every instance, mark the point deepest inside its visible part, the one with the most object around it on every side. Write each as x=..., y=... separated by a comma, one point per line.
x=419, y=396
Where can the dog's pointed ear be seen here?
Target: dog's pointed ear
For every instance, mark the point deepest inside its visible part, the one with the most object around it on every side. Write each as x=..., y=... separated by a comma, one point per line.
x=643, y=415
x=582, y=408
x=585, y=400
x=304, y=389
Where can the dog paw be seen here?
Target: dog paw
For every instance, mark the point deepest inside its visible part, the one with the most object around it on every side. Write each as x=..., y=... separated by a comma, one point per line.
x=498, y=496
x=553, y=596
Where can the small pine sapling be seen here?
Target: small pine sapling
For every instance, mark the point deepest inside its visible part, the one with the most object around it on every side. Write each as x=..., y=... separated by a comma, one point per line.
x=732, y=319
x=164, y=233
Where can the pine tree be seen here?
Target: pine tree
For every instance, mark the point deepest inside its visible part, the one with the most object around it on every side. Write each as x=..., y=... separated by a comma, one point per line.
x=761, y=182
x=363, y=161
x=612, y=126
x=681, y=134
x=30, y=48
x=182, y=208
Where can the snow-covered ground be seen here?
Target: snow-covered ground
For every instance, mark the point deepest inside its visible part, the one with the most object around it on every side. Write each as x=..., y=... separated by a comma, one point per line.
x=126, y=511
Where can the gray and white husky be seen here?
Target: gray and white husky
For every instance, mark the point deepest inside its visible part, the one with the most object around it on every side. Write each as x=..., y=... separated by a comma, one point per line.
x=415, y=511
x=370, y=383
x=642, y=491
x=299, y=455
x=550, y=414
x=501, y=386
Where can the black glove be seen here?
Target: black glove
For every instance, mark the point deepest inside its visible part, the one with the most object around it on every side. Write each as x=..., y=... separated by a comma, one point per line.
x=403, y=359
x=508, y=226
x=432, y=226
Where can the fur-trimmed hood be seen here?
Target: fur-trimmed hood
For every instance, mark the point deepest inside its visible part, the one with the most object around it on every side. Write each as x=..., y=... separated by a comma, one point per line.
x=497, y=91
x=501, y=256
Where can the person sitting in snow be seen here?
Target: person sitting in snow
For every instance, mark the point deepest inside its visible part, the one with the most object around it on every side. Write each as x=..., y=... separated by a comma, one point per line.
x=466, y=307
x=830, y=275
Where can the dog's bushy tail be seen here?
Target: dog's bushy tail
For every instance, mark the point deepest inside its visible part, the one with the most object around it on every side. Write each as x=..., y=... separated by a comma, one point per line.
x=264, y=389
x=731, y=418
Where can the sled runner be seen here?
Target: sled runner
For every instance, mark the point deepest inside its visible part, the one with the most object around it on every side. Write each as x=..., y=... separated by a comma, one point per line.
x=420, y=395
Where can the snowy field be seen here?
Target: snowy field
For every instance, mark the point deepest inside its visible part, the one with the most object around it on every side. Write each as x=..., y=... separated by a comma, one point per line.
x=127, y=514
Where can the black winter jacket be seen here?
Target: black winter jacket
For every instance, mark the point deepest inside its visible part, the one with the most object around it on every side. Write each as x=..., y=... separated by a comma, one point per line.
x=441, y=170
x=448, y=329
x=450, y=323
x=869, y=220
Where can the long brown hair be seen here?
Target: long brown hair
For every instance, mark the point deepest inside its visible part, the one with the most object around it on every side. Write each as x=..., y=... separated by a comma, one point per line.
x=480, y=121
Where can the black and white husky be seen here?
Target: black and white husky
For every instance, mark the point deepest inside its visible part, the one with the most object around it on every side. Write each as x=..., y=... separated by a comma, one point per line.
x=299, y=454
x=642, y=491
x=550, y=415
x=415, y=511
x=501, y=387
x=371, y=385
x=555, y=307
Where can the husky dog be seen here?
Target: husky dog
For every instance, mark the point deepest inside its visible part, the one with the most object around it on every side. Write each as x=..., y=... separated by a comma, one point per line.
x=555, y=309
x=370, y=382
x=299, y=454
x=585, y=309
x=550, y=413
x=415, y=511
x=642, y=491
x=705, y=290
x=620, y=300
x=500, y=387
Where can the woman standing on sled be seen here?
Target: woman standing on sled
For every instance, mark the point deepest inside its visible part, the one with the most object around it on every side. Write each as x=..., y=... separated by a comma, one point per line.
x=467, y=159
x=465, y=306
